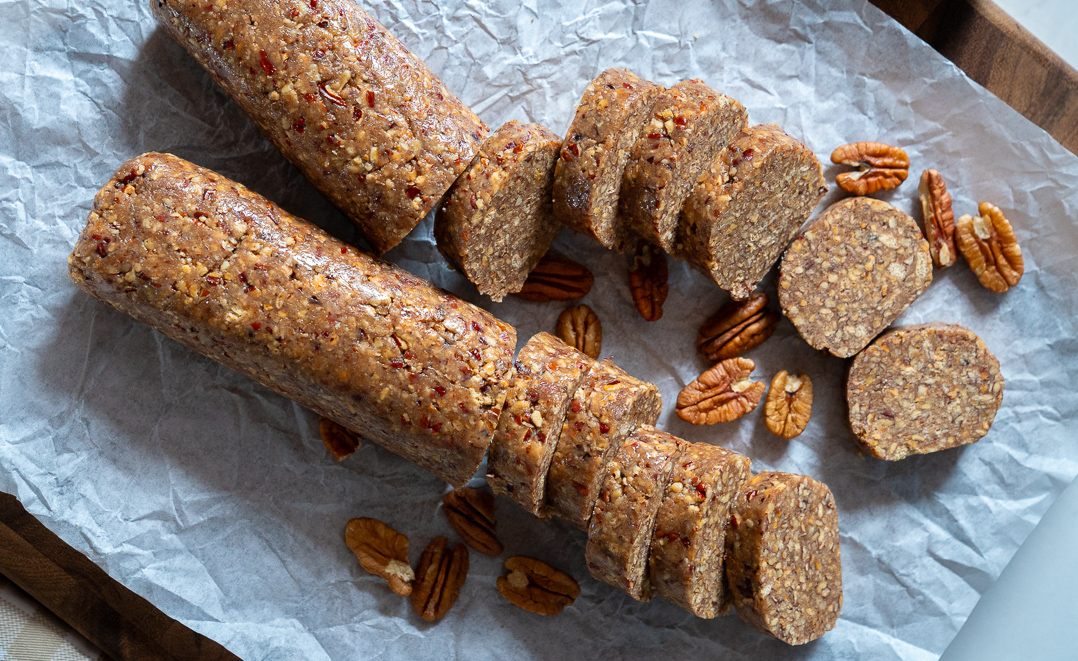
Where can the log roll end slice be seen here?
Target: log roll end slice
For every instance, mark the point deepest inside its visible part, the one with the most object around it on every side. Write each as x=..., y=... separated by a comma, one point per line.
x=497, y=221
x=224, y=271
x=689, y=125
x=607, y=407
x=620, y=529
x=923, y=389
x=548, y=372
x=783, y=562
x=747, y=205
x=851, y=273
x=588, y=174
x=686, y=563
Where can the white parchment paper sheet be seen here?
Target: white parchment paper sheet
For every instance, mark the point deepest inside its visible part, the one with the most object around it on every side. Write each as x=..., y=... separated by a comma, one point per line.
x=214, y=498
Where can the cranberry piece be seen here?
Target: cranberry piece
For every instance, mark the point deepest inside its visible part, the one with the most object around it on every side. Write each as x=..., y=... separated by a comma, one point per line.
x=267, y=66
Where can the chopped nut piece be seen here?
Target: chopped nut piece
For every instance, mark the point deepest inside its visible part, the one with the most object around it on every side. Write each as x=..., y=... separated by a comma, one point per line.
x=851, y=272
x=537, y=587
x=783, y=561
x=497, y=220
x=938, y=218
x=471, y=513
x=382, y=551
x=736, y=328
x=548, y=372
x=789, y=404
x=988, y=243
x=722, y=394
x=439, y=579
x=579, y=327
x=879, y=167
x=686, y=560
x=607, y=406
x=556, y=278
x=648, y=281
x=340, y=441
x=922, y=389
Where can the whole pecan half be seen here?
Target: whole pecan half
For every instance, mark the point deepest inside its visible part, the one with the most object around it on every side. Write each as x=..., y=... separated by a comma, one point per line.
x=382, y=551
x=648, y=281
x=556, y=278
x=340, y=441
x=737, y=327
x=938, y=218
x=789, y=404
x=440, y=575
x=988, y=243
x=879, y=167
x=537, y=587
x=579, y=327
x=722, y=394
x=471, y=513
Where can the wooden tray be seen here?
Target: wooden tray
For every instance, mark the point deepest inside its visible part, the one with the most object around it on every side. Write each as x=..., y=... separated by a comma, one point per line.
x=976, y=35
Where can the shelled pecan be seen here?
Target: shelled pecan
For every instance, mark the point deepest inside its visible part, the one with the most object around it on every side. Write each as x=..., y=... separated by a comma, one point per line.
x=382, y=551
x=938, y=218
x=471, y=513
x=737, y=327
x=339, y=440
x=579, y=327
x=722, y=394
x=648, y=284
x=988, y=243
x=537, y=587
x=441, y=574
x=879, y=167
x=789, y=404
x=556, y=278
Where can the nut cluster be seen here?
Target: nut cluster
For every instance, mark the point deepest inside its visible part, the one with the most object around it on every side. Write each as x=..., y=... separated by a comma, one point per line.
x=436, y=583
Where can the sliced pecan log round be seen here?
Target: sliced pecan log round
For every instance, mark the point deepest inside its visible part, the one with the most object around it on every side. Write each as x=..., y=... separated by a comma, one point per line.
x=736, y=328
x=471, y=513
x=722, y=394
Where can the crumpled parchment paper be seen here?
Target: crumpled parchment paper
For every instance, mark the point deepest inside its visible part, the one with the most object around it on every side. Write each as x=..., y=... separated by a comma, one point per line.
x=215, y=499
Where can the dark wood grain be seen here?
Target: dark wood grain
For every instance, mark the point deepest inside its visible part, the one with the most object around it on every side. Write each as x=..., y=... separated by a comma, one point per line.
x=997, y=52
x=122, y=624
